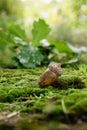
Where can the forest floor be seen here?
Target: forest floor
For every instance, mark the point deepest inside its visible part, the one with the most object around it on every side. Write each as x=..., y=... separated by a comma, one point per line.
x=26, y=106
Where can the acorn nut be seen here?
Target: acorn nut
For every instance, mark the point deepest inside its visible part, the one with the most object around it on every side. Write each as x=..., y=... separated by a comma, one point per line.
x=50, y=75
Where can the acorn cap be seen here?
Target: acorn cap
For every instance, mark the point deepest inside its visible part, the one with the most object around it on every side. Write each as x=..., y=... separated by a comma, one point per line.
x=56, y=68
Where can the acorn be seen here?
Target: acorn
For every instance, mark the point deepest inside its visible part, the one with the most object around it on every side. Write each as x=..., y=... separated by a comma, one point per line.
x=50, y=75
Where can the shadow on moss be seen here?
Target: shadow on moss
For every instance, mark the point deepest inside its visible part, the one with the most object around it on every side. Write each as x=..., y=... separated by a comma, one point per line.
x=65, y=82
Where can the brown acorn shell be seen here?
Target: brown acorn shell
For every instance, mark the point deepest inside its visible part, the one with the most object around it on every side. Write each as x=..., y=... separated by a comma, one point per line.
x=50, y=75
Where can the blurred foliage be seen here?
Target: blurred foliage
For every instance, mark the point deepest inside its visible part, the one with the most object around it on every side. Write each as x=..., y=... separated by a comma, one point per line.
x=25, y=53
x=54, y=11
x=63, y=32
x=67, y=27
x=9, y=7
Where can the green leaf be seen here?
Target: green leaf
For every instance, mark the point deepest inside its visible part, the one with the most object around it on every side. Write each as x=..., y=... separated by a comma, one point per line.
x=17, y=31
x=61, y=46
x=30, y=57
x=72, y=61
x=40, y=31
x=5, y=39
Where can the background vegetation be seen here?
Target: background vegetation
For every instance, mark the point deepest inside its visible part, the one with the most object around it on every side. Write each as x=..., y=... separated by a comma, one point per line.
x=65, y=18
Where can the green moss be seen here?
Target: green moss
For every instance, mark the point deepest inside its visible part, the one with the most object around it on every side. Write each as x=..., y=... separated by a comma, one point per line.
x=19, y=91
x=69, y=81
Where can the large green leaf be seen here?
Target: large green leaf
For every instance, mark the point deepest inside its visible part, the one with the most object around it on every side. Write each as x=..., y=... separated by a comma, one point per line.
x=30, y=57
x=67, y=47
x=40, y=31
x=17, y=31
x=62, y=46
